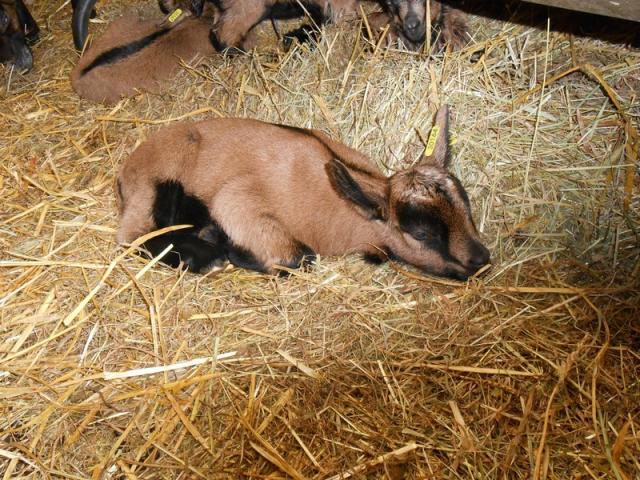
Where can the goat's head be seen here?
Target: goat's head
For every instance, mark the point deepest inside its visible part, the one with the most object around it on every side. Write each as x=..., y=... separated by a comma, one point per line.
x=410, y=16
x=424, y=211
x=14, y=46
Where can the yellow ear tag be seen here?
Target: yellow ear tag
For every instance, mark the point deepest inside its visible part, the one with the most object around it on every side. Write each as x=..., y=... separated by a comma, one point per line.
x=175, y=15
x=431, y=142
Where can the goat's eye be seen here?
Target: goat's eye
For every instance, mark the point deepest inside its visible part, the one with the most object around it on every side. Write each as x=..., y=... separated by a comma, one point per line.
x=424, y=225
x=422, y=235
x=432, y=236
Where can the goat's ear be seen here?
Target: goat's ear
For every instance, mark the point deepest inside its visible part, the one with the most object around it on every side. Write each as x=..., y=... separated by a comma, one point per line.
x=437, y=151
x=366, y=192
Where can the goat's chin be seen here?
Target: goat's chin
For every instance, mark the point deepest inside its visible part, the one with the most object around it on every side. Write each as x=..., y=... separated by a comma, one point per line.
x=412, y=42
x=452, y=271
x=464, y=274
x=455, y=274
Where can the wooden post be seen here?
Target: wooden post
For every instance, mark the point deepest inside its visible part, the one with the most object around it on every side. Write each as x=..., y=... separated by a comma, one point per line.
x=626, y=9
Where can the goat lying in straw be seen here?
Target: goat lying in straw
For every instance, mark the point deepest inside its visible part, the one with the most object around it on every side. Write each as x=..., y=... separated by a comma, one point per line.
x=262, y=195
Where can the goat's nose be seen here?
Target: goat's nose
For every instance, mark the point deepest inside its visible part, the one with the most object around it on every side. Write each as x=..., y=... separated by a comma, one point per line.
x=480, y=256
x=412, y=22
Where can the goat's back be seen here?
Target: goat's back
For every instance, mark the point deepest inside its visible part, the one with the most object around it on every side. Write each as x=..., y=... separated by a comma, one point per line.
x=148, y=67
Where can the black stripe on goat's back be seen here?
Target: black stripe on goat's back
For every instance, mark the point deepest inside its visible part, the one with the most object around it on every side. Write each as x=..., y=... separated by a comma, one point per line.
x=173, y=206
x=309, y=133
x=120, y=53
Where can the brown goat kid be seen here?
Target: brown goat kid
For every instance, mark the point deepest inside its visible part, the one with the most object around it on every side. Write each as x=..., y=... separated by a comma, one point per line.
x=135, y=54
x=407, y=22
x=263, y=195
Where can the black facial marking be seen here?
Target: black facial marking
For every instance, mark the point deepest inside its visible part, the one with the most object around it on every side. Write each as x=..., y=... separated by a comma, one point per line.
x=120, y=53
x=425, y=225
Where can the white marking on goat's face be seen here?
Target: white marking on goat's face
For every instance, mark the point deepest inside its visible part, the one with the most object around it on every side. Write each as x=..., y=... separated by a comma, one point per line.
x=431, y=209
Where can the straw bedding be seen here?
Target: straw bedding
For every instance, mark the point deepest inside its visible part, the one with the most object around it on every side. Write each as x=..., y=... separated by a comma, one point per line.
x=112, y=367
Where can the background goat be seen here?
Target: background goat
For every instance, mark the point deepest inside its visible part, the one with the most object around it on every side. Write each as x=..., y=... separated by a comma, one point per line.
x=262, y=195
x=239, y=18
x=18, y=30
x=136, y=54
x=407, y=21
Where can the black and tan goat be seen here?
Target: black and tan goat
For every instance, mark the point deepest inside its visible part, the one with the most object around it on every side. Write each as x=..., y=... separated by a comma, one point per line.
x=262, y=195
x=18, y=30
x=407, y=22
x=236, y=19
x=135, y=54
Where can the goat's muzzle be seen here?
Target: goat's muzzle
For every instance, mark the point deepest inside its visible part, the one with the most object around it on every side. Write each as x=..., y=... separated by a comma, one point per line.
x=414, y=28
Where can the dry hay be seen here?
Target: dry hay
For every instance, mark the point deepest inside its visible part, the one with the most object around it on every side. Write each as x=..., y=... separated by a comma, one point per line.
x=529, y=372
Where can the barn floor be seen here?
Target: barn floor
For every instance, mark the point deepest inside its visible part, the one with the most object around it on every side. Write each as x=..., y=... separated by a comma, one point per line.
x=348, y=370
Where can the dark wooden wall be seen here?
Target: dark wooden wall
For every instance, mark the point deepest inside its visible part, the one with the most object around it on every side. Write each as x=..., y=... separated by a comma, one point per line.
x=626, y=9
